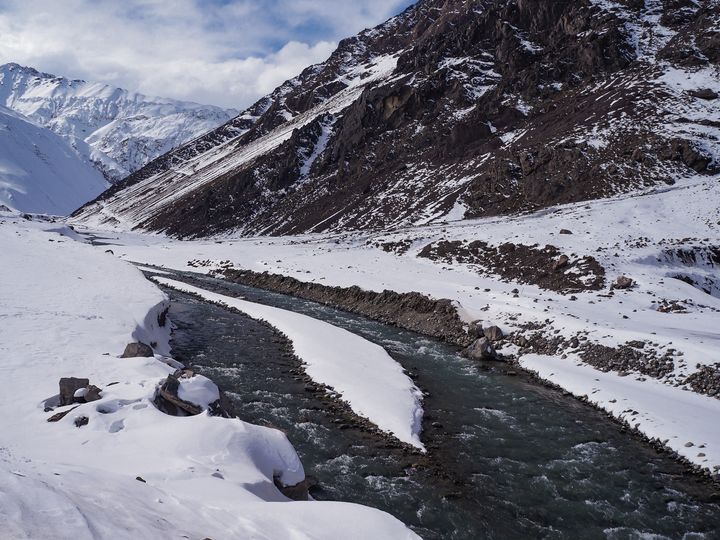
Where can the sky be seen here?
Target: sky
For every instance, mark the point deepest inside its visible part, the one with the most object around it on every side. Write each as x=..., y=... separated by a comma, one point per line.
x=222, y=52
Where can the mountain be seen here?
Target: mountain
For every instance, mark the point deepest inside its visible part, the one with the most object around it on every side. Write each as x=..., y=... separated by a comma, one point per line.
x=453, y=109
x=39, y=172
x=119, y=131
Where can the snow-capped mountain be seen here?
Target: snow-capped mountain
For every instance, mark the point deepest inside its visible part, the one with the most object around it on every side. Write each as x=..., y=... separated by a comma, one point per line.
x=39, y=172
x=453, y=109
x=118, y=130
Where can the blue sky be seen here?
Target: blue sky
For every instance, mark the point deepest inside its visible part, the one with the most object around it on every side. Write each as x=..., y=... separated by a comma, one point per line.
x=226, y=52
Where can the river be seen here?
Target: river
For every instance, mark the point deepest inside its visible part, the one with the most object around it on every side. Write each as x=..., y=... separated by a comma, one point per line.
x=508, y=457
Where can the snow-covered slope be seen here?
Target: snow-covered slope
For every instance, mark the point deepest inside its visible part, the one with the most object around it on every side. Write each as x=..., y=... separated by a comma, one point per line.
x=118, y=130
x=128, y=471
x=39, y=172
x=452, y=109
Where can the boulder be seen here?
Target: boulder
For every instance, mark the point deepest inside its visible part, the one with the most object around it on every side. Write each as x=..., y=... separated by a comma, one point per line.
x=493, y=333
x=560, y=263
x=297, y=492
x=704, y=93
x=169, y=402
x=480, y=349
x=137, y=349
x=475, y=329
x=68, y=387
x=623, y=282
x=87, y=394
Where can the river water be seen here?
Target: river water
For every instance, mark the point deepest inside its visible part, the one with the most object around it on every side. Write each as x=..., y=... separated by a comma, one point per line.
x=508, y=458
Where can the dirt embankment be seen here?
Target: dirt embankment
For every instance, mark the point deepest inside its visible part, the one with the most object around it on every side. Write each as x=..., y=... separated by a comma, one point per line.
x=411, y=311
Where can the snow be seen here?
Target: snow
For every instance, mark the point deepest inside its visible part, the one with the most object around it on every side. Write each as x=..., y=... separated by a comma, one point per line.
x=363, y=373
x=627, y=234
x=119, y=131
x=199, y=390
x=202, y=476
x=143, y=200
x=39, y=172
x=644, y=404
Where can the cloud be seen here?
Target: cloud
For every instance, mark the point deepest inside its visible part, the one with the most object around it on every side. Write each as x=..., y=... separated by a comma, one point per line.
x=227, y=52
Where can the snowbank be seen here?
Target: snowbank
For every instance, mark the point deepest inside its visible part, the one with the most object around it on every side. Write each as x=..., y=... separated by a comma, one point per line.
x=681, y=419
x=369, y=380
x=68, y=309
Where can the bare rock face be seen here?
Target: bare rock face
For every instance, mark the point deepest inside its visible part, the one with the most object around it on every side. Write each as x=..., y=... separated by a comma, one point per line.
x=493, y=104
x=68, y=387
x=137, y=349
x=480, y=349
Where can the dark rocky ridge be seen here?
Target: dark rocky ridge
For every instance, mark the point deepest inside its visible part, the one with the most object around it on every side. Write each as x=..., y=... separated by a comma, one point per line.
x=503, y=106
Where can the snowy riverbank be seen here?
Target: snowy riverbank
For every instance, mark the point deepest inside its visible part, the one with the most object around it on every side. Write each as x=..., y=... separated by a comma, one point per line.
x=650, y=237
x=365, y=376
x=131, y=471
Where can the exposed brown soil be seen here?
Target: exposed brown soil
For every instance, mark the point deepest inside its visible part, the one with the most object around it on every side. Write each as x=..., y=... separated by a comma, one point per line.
x=523, y=264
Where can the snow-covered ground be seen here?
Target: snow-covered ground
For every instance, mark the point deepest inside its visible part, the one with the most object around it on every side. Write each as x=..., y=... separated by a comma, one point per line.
x=367, y=378
x=119, y=131
x=632, y=235
x=39, y=171
x=68, y=309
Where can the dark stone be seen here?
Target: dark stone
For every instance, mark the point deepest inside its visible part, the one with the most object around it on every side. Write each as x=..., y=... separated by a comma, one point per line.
x=81, y=421
x=704, y=93
x=68, y=387
x=565, y=231
x=493, y=333
x=137, y=349
x=59, y=416
x=140, y=479
x=623, y=282
x=168, y=401
x=480, y=349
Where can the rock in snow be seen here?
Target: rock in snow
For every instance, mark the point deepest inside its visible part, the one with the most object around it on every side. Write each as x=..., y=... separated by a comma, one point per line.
x=137, y=349
x=367, y=378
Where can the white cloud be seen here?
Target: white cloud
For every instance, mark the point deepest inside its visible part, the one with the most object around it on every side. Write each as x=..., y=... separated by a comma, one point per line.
x=213, y=51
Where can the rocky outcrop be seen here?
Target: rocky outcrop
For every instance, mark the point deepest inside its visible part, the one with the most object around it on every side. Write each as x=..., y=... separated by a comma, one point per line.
x=492, y=107
x=544, y=267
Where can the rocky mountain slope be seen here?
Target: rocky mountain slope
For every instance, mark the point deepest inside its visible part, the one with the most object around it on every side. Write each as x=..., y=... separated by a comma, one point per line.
x=453, y=109
x=39, y=172
x=117, y=130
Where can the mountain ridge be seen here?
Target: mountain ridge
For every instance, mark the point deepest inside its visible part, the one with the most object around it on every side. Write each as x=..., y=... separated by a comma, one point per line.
x=116, y=129
x=488, y=108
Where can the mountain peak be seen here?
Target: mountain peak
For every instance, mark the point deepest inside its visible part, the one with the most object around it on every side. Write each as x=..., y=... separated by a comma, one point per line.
x=115, y=129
